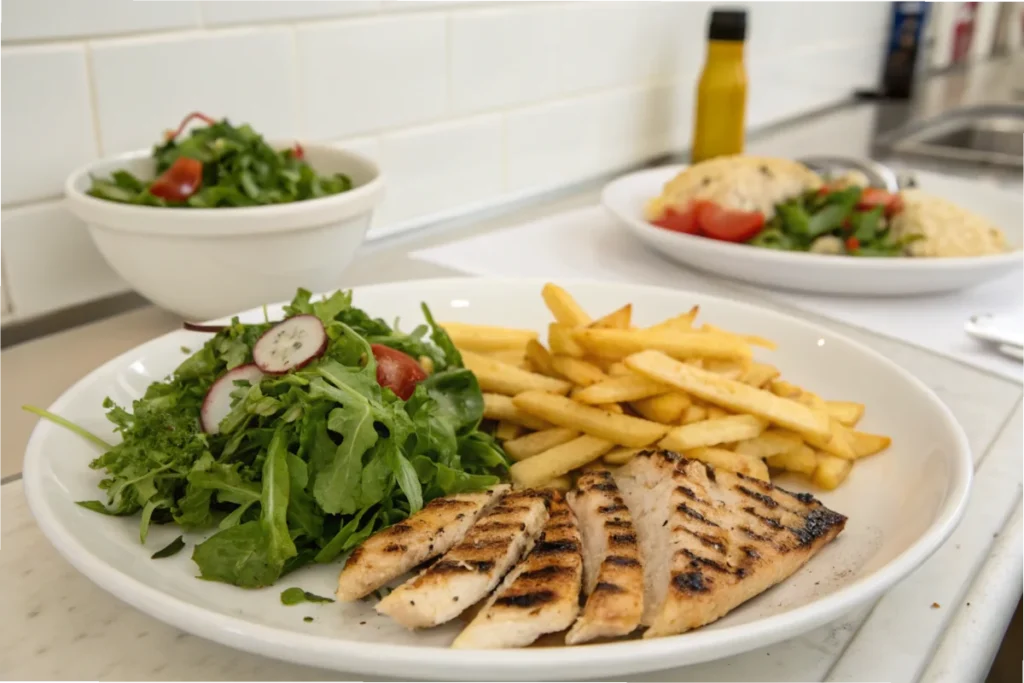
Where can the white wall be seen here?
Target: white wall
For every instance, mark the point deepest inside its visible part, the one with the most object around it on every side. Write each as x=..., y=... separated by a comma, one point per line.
x=461, y=102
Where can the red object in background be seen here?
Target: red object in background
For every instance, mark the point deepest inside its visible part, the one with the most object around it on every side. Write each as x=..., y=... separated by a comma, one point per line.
x=180, y=181
x=676, y=221
x=963, y=31
x=397, y=371
x=727, y=225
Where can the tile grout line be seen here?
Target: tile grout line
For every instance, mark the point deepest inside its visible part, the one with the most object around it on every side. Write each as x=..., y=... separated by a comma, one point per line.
x=94, y=102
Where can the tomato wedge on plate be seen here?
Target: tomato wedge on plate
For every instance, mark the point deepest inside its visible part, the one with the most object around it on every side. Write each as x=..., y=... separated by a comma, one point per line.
x=873, y=196
x=397, y=371
x=180, y=181
x=728, y=225
x=679, y=221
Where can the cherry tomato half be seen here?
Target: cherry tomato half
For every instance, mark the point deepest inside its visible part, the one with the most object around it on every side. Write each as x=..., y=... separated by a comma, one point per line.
x=180, y=181
x=873, y=196
x=397, y=371
x=679, y=221
x=727, y=225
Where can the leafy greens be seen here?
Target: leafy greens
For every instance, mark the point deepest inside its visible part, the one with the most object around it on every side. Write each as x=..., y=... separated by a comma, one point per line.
x=306, y=465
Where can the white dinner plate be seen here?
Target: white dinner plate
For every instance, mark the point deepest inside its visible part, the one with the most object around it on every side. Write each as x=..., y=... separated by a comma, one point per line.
x=901, y=504
x=626, y=197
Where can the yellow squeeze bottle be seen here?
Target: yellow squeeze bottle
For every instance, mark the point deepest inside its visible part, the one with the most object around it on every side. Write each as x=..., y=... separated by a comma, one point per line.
x=722, y=90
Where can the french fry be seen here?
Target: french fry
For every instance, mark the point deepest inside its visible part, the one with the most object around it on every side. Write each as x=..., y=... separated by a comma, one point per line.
x=713, y=432
x=759, y=374
x=559, y=460
x=619, y=319
x=562, y=483
x=530, y=445
x=714, y=412
x=510, y=356
x=730, y=394
x=539, y=357
x=733, y=462
x=667, y=408
x=577, y=370
x=751, y=339
x=563, y=306
x=838, y=443
x=621, y=455
x=631, y=387
x=617, y=429
x=618, y=369
x=502, y=378
x=562, y=342
x=847, y=412
x=483, y=338
x=621, y=343
x=682, y=322
x=801, y=460
x=506, y=431
x=865, y=444
x=693, y=413
x=831, y=471
x=785, y=389
x=771, y=442
x=501, y=408
x=732, y=369
x=612, y=408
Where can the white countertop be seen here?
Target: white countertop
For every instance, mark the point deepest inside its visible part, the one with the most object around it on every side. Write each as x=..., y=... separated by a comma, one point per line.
x=59, y=625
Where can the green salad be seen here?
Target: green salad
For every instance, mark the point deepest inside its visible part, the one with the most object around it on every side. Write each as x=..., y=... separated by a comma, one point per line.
x=281, y=440
x=220, y=165
x=852, y=221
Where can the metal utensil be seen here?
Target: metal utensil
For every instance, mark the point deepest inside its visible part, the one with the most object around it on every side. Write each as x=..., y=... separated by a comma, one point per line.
x=878, y=174
x=1000, y=330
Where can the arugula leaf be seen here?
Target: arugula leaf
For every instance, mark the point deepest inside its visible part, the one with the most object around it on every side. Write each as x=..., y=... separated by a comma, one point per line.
x=240, y=555
x=274, y=500
x=172, y=548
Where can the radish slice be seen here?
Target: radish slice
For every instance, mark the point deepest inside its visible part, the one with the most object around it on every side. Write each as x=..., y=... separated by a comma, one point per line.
x=290, y=344
x=217, y=403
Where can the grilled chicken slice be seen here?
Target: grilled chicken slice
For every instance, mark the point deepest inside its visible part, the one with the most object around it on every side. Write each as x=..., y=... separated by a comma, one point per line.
x=470, y=570
x=613, y=573
x=430, y=532
x=712, y=539
x=541, y=595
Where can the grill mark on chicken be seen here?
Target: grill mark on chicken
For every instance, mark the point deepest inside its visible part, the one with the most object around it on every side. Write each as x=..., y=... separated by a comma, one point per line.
x=398, y=529
x=555, y=547
x=767, y=501
x=622, y=539
x=750, y=533
x=619, y=561
x=696, y=561
x=607, y=587
x=708, y=541
x=689, y=582
x=546, y=572
x=689, y=511
x=526, y=600
x=497, y=526
x=817, y=524
x=395, y=548
x=618, y=524
x=770, y=521
x=607, y=509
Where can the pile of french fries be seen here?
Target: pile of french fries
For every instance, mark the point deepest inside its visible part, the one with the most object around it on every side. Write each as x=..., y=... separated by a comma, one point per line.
x=602, y=390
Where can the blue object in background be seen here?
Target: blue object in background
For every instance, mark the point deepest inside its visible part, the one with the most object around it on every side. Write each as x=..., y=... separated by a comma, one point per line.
x=906, y=33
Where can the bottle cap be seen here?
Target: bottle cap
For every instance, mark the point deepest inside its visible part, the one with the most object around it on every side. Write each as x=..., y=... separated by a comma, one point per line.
x=728, y=24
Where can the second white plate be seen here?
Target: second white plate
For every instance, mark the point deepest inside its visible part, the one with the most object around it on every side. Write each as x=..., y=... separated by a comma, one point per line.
x=626, y=197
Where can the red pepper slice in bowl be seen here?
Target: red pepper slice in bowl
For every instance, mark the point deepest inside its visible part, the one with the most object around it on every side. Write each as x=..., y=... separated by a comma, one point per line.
x=180, y=181
x=728, y=225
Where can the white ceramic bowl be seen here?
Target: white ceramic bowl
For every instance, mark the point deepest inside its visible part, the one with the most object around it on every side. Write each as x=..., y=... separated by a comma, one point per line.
x=626, y=197
x=204, y=263
x=901, y=504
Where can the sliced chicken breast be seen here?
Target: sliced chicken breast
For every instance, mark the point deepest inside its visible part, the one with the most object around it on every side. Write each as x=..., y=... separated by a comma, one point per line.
x=430, y=532
x=472, y=569
x=541, y=595
x=726, y=538
x=613, y=571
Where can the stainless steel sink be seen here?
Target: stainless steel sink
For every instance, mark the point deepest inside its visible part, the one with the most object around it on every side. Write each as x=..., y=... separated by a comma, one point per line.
x=987, y=135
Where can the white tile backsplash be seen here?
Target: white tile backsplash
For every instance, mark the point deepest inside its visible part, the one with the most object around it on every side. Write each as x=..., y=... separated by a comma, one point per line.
x=50, y=260
x=223, y=12
x=145, y=86
x=45, y=120
x=504, y=56
x=371, y=74
x=440, y=167
x=460, y=102
x=41, y=19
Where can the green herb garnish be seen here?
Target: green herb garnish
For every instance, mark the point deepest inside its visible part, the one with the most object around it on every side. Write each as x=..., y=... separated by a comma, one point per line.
x=294, y=596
